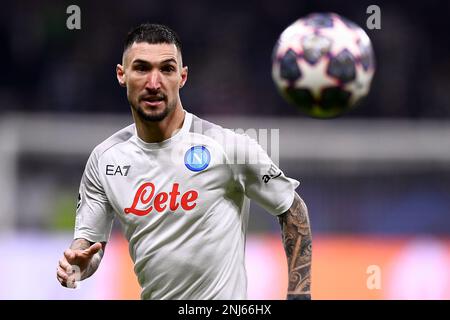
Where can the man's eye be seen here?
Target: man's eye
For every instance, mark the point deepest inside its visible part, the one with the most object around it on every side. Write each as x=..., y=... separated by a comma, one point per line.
x=167, y=69
x=140, y=68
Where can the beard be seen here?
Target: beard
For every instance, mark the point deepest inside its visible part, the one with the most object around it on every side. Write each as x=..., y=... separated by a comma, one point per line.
x=153, y=116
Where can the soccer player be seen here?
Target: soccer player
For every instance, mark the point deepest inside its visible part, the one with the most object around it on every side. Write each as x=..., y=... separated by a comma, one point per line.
x=180, y=187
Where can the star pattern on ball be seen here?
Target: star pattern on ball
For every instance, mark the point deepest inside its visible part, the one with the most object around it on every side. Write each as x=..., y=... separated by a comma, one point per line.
x=344, y=37
x=323, y=64
x=317, y=78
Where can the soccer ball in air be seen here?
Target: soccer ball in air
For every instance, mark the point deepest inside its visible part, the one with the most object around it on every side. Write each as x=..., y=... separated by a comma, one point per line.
x=323, y=64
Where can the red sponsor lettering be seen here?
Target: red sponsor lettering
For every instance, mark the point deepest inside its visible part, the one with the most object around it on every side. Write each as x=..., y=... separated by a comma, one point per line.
x=146, y=193
x=187, y=198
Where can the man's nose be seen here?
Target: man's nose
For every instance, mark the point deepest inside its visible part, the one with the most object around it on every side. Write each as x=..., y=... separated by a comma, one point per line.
x=153, y=81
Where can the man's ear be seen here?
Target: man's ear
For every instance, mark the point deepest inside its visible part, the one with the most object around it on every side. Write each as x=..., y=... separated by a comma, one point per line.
x=184, y=76
x=121, y=77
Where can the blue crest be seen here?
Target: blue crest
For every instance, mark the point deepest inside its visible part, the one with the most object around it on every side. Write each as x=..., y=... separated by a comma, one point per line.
x=197, y=158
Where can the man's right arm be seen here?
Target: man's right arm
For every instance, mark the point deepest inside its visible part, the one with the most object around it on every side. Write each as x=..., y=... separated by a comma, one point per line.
x=79, y=262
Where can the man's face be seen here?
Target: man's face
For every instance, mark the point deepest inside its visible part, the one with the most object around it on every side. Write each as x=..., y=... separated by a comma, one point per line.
x=153, y=75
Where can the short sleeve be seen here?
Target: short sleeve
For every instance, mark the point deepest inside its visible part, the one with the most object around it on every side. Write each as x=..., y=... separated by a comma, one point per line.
x=94, y=215
x=261, y=179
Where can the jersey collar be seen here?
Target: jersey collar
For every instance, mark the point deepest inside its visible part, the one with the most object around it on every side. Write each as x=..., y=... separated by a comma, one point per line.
x=163, y=144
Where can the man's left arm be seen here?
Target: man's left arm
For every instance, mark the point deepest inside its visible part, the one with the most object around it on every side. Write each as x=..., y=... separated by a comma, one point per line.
x=297, y=242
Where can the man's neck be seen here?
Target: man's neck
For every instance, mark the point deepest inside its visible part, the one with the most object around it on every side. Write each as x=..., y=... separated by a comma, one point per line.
x=162, y=130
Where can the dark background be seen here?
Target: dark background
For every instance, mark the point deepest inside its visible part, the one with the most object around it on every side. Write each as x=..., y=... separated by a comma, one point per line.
x=227, y=46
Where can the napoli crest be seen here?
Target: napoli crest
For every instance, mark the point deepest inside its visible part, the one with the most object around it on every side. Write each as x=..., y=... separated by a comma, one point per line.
x=197, y=158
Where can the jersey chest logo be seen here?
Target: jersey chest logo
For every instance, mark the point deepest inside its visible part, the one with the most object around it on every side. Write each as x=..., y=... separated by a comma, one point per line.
x=145, y=200
x=197, y=158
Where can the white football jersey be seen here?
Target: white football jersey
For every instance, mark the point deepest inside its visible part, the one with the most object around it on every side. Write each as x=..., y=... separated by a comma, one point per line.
x=183, y=204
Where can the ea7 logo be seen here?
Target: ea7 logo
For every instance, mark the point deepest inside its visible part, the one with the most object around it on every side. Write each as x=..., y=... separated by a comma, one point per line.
x=273, y=173
x=113, y=170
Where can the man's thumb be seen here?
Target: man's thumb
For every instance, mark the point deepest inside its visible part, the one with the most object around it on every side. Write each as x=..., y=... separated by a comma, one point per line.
x=94, y=248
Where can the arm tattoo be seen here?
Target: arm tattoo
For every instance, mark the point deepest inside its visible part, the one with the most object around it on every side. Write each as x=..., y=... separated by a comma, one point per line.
x=82, y=244
x=297, y=241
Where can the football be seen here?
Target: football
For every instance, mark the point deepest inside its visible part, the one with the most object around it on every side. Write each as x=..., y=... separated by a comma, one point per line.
x=323, y=64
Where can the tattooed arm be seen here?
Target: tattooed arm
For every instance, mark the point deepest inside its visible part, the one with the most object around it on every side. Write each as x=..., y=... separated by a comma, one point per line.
x=296, y=233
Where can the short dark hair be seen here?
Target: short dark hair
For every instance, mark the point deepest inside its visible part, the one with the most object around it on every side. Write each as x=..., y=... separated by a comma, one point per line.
x=152, y=33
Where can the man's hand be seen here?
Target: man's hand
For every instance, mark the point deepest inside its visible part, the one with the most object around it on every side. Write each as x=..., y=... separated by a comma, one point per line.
x=77, y=263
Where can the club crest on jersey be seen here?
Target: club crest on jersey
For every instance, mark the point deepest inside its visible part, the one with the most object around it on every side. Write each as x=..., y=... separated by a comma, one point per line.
x=197, y=158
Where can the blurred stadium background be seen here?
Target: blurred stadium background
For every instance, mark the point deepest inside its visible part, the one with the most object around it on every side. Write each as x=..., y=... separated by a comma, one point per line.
x=376, y=181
